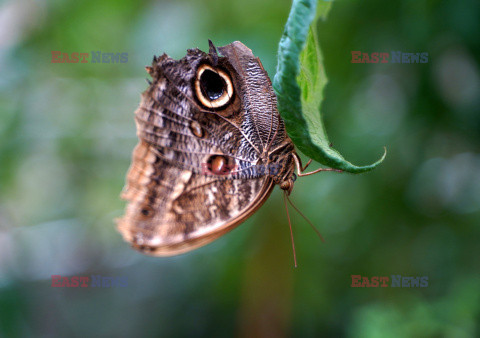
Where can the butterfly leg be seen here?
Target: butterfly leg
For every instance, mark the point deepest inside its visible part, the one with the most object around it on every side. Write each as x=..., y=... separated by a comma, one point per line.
x=300, y=170
x=306, y=165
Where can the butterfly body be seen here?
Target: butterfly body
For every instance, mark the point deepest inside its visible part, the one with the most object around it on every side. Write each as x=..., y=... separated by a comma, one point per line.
x=212, y=146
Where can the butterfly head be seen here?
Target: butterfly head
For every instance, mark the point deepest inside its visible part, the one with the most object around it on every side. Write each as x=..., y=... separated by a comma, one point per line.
x=287, y=175
x=288, y=183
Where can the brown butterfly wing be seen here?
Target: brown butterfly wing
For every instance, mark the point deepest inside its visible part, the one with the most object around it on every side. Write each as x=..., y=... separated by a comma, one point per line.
x=175, y=210
x=174, y=206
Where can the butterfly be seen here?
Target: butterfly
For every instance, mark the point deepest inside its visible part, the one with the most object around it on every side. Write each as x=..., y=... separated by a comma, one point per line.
x=211, y=148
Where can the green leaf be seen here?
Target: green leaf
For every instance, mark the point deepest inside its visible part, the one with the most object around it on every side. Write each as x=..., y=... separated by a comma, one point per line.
x=299, y=89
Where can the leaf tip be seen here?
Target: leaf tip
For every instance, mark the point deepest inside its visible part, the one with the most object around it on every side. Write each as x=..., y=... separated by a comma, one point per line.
x=353, y=169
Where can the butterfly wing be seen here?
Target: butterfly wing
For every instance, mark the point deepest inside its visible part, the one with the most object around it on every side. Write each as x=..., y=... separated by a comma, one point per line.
x=174, y=204
x=173, y=210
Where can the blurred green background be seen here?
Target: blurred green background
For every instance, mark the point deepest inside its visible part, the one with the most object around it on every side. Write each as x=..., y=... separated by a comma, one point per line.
x=67, y=132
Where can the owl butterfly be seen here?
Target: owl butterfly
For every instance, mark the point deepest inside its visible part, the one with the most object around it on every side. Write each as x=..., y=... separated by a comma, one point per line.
x=212, y=146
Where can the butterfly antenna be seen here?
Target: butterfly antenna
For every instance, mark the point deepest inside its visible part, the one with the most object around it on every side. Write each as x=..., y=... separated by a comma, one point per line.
x=290, y=224
x=213, y=52
x=305, y=217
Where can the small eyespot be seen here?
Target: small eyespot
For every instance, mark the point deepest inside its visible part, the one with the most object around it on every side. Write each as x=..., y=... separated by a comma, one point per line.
x=196, y=129
x=213, y=86
x=146, y=212
x=220, y=165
